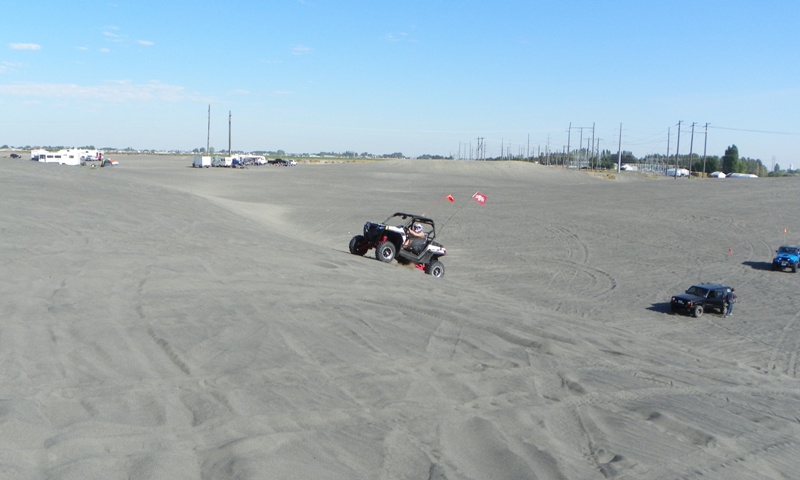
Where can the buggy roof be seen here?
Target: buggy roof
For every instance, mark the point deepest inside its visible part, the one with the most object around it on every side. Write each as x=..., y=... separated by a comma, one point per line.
x=415, y=216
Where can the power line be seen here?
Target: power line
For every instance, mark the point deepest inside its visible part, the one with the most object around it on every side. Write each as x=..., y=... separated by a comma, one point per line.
x=754, y=131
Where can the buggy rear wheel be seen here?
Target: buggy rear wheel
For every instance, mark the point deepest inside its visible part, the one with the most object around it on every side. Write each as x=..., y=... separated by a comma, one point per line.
x=435, y=269
x=385, y=251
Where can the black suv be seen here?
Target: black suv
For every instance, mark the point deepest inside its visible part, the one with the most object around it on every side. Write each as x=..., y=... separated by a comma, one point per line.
x=280, y=162
x=702, y=297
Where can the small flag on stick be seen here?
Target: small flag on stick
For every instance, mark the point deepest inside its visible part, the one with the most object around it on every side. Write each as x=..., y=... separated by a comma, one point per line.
x=479, y=197
x=450, y=198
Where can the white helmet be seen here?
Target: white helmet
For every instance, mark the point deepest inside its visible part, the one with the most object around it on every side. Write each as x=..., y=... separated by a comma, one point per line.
x=417, y=227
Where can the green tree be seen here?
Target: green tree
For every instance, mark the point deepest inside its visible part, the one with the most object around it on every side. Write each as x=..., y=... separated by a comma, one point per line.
x=730, y=161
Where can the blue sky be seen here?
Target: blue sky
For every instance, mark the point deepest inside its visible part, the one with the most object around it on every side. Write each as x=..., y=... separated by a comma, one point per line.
x=410, y=76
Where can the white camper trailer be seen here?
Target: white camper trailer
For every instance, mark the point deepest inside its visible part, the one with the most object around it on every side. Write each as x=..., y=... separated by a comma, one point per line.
x=201, y=161
x=69, y=156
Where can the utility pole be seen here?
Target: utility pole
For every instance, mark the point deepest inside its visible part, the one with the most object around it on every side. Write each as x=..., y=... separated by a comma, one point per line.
x=208, y=134
x=705, y=144
x=668, y=140
x=678, y=148
x=547, y=150
x=691, y=146
x=569, y=134
x=229, y=133
x=619, y=150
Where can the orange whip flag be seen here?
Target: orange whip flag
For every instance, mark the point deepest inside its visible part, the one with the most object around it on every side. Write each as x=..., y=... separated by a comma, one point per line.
x=479, y=197
x=450, y=197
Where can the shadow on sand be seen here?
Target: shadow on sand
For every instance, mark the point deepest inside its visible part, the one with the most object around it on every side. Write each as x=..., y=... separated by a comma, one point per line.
x=759, y=265
x=661, y=307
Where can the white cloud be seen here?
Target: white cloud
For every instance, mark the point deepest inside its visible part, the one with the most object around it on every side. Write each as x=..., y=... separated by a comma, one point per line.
x=116, y=92
x=301, y=50
x=391, y=37
x=24, y=46
x=146, y=43
x=6, y=66
x=111, y=33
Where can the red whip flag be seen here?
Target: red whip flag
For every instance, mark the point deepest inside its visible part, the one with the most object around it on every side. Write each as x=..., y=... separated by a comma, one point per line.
x=479, y=197
x=450, y=197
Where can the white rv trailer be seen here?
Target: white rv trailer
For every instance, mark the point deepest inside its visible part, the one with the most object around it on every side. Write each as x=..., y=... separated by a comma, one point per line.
x=201, y=161
x=68, y=156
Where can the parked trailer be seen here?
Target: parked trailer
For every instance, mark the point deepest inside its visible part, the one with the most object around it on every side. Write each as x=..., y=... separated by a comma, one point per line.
x=68, y=156
x=201, y=161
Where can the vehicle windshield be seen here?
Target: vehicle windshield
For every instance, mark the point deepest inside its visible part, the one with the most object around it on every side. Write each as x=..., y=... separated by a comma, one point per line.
x=699, y=291
x=406, y=221
x=788, y=250
x=398, y=220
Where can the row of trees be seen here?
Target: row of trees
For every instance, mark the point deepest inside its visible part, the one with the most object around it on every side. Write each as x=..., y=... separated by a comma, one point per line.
x=728, y=163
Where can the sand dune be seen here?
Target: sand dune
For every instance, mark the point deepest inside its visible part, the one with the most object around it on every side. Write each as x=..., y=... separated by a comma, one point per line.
x=161, y=321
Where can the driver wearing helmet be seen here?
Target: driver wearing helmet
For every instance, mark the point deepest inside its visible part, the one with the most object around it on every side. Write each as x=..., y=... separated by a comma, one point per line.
x=416, y=237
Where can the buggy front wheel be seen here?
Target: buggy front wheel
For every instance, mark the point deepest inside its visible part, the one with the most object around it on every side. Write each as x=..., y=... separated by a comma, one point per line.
x=357, y=245
x=385, y=251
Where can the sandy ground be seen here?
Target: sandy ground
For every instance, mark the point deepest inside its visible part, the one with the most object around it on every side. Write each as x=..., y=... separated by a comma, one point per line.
x=160, y=321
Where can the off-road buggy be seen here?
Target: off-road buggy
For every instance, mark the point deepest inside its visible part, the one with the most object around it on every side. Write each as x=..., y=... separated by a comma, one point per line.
x=388, y=238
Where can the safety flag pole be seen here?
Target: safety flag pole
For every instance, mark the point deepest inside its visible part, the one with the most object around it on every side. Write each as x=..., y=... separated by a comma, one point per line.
x=449, y=198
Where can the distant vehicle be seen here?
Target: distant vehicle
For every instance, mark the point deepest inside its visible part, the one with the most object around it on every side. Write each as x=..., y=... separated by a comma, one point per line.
x=279, y=162
x=15, y=155
x=717, y=175
x=680, y=172
x=222, y=162
x=65, y=156
x=742, y=175
x=201, y=161
x=788, y=256
x=700, y=298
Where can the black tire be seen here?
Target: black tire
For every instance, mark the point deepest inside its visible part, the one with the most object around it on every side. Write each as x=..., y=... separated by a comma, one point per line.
x=435, y=269
x=794, y=268
x=697, y=311
x=385, y=251
x=358, y=246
